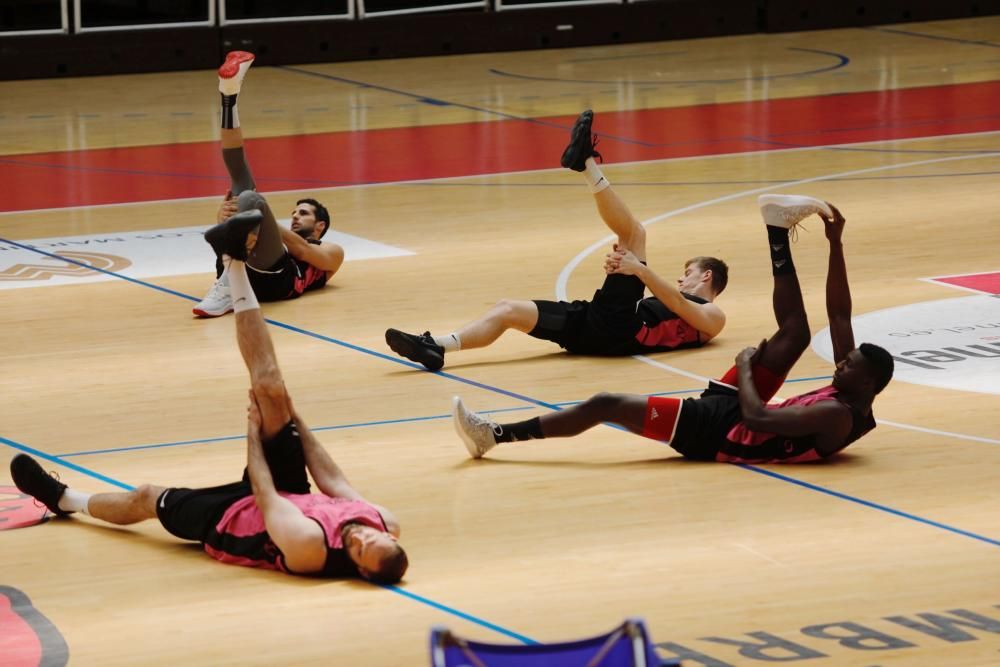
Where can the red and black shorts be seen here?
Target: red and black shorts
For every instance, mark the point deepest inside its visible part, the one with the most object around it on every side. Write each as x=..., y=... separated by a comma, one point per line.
x=699, y=427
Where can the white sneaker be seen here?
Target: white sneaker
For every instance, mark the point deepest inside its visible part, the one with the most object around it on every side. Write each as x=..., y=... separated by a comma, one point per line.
x=217, y=302
x=789, y=210
x=232, y=71
x=476, y=432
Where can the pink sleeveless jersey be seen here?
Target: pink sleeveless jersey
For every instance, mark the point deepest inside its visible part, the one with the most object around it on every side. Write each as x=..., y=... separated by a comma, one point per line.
x=240, y=537
x=662, y=329
x=746, y=446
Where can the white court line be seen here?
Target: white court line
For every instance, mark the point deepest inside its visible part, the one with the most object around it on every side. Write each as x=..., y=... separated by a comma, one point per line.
x=563, y=278
x=507, y=173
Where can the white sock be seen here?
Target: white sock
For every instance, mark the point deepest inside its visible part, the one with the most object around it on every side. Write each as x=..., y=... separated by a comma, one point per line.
x=450, y=343
x=239, y=287
x=74, y=501
x=595, y=179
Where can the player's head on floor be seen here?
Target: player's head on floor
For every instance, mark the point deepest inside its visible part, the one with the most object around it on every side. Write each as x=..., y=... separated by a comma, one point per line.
x=710, y=271
x=310, y=219
x=376, y=553
x=866, y=369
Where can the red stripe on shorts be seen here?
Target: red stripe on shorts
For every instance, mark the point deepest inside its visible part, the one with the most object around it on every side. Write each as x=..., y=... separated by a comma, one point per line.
x=662, y=413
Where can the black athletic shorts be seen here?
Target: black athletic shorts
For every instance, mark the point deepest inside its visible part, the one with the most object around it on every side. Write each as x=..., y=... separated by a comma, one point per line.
x=191, y=514
x=605, y=325
x=705, y=422
x=277, y=283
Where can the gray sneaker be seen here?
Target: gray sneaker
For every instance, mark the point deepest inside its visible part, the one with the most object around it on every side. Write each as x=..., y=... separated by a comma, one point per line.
x=478, y=433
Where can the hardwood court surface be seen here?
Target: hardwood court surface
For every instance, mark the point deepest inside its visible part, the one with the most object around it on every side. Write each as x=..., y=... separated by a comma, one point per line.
x=885, y=555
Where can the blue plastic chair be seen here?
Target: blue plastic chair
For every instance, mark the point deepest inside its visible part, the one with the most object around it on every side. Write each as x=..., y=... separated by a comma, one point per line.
x=628, y=645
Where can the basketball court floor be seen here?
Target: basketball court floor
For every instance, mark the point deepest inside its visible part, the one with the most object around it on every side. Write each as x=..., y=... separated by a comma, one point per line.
x=443, y=178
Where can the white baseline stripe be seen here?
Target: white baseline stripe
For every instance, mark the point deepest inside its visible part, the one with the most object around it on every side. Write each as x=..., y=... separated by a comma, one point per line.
x=511, y=173
x=563, y=278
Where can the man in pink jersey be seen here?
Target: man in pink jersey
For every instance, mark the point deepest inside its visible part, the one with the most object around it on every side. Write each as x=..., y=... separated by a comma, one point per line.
x=271, y=518
x=731, y=421
x=617, y=321
x=282, y=263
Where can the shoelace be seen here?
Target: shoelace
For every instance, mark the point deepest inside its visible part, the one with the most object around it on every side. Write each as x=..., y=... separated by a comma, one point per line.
x=478, y=420
x=793, y=232
x=217, y=288
x=35, y=501
x=594, y=140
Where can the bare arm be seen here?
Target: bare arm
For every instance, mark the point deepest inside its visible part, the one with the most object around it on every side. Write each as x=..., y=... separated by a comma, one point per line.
x=328, y=475
x=300, y=539
x=327, y=257
x=830, y=421
x=705, y=317
x=838, y=292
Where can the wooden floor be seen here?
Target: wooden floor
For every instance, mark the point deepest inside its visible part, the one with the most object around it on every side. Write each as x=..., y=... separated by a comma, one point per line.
x=887, y=555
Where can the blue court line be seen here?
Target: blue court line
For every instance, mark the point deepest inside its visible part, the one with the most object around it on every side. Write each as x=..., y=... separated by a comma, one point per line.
x=135, y=281
x=455, y=612
x=842, y=61
x=413, y=596
x=942, y=38
x=633, y=56
x=459, y=105
x=533, y=401
x=382, y=422
x=870, y=504
x=72, y=466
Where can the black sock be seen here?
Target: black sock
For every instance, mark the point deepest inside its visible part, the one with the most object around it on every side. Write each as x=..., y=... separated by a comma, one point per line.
x=229, y=118
x=781, y=252
x=526, y=430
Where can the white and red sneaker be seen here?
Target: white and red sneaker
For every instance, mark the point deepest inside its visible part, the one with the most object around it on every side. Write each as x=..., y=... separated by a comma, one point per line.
x=789, y=210
x=232, y=71
x=218, y=301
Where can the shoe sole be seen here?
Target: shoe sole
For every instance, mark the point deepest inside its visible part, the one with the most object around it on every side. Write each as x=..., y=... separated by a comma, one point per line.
x=398, y=343
x=234, y=62
x=204, y=313
x=569, y=155
x=791, y=201
x=456, y=409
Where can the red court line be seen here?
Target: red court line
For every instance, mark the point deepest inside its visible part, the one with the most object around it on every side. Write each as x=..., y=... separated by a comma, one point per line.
x=173, y=171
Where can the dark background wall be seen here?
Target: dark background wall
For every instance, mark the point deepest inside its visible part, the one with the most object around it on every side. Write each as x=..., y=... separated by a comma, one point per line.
x=465, y=31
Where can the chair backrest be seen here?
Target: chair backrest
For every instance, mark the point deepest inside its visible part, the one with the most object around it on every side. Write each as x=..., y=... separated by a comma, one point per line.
x=628, y=645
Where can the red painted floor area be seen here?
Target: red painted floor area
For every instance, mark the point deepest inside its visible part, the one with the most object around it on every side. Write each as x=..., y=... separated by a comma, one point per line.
x=988, y=283
x=89, y=177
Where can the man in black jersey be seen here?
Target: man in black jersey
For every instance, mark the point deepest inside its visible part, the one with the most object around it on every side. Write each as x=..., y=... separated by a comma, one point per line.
x=282, y=263
x=618, y=320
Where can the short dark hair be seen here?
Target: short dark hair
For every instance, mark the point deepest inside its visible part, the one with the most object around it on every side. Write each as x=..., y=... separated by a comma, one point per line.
x=392, y=568
x=719, y=269
x=322, y=214
x=880, y=362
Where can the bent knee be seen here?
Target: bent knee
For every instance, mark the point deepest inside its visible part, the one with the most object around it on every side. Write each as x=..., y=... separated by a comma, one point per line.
x=249, y=199
x=518, y=314
x=606, y=403
x=147, y=495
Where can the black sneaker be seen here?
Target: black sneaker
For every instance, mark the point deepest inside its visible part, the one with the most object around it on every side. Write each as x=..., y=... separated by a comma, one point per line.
x=421, y=349
x=581, y=144
x=230, y=237
x=30, y=478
